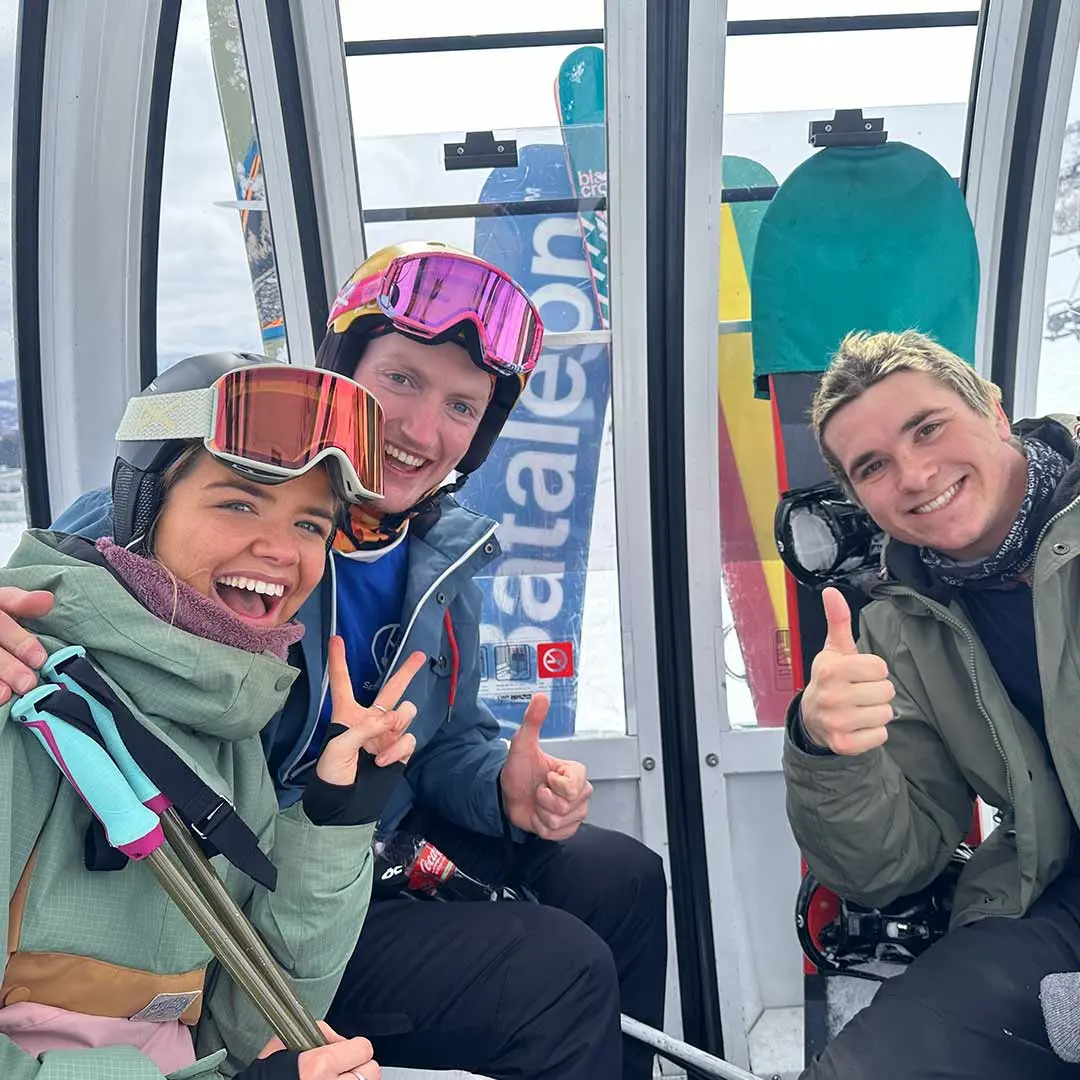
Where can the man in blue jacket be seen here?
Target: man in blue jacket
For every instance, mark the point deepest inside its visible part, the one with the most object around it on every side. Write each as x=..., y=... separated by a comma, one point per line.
x=446, y=343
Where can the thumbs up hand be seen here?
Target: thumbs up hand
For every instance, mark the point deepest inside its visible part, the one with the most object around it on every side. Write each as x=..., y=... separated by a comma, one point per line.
x=846, y=705
x=542, y=794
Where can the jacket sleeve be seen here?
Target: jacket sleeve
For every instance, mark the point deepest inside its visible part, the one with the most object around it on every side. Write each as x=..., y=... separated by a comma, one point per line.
x=89, y=516
x=880, y=825
x=456, y=773
x=310, y=923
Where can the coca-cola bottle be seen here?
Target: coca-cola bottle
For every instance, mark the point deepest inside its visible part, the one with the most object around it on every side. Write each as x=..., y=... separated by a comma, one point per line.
x=409, y=865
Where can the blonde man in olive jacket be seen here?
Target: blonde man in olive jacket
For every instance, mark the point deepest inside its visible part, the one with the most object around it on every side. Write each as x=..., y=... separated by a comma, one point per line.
x=964, y=682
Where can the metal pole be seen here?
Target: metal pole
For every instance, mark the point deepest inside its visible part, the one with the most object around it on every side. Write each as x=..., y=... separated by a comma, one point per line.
x=244, y=973
x=683, y=1053
x=237, y=925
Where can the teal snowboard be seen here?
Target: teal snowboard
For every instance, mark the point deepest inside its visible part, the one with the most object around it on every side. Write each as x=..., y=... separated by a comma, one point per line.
x=862, y=238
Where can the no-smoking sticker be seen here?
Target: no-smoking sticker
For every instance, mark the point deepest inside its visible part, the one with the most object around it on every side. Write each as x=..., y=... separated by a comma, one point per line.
x=555, y=660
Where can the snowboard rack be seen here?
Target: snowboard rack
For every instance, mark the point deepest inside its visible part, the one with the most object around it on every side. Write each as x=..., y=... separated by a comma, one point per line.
x=480, y=150
x=848, y=127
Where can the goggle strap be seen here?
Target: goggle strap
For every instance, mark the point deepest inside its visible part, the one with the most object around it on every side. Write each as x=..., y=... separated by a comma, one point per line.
x=188, y=414
x=358, y=295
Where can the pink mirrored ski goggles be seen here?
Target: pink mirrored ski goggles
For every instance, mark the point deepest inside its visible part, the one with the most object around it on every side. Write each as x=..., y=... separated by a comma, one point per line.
x=427, y=294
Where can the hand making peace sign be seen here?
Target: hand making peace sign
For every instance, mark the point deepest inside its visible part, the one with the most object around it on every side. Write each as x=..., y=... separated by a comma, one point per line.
x=379, y=729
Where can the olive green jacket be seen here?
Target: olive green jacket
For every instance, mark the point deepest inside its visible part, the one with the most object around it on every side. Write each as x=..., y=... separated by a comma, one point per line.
x=879, y=825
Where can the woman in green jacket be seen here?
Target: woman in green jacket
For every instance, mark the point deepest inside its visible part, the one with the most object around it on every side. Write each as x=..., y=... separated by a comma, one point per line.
x=103, y=978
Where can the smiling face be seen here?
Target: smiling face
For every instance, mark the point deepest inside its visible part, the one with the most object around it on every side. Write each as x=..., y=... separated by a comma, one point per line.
x=929, y=469
x=433, y=398
x=256, y=549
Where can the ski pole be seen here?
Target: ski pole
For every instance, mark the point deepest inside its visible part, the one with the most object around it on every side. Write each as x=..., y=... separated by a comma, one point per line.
x=190, y=856
x=681, y=1052
x=195, y=863
x=136, y=830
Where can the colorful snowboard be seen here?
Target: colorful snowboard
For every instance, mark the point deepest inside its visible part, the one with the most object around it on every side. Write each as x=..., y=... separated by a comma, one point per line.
x=857, y=238
x=579, y=94
x=535, y=595
x=753, y=572
x=234, y=96
x=540, y=481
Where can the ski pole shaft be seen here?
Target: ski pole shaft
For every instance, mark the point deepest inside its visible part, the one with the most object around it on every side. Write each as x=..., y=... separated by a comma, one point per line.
x=683, y=1053
x=187, y=851
x=190, y=856
x=231, y=956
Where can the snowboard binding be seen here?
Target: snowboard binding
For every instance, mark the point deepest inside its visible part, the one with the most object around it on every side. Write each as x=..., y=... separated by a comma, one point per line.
x=841, y=937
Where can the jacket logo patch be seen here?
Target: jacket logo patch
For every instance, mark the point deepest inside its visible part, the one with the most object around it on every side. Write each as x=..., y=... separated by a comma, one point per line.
x=166, y=1008
x=384, y=644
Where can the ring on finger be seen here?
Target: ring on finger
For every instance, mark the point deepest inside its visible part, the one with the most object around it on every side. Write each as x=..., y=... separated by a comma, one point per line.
x=382, y=709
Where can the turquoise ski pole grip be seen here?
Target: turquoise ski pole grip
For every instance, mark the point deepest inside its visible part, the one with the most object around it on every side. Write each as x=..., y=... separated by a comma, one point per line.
x=148, y=793
x=129, y=825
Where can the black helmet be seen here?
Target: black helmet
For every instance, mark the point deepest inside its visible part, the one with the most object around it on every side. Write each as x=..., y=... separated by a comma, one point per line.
x=139, y=465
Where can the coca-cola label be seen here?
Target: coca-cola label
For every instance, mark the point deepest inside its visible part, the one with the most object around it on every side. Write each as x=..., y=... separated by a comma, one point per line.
x=430, y=869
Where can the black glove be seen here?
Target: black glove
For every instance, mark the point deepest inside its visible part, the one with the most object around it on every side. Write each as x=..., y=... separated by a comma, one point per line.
x=359, y=803
x=281, y=1065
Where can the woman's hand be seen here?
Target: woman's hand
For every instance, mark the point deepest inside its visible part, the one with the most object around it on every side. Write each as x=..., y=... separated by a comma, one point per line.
x=339, y=1059
x=380, y=729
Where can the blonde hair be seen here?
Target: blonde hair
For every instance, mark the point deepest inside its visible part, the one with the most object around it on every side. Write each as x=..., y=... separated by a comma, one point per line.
x=864, y=359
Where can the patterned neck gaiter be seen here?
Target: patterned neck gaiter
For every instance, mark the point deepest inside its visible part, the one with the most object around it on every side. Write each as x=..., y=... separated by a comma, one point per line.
x=1045, y=468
